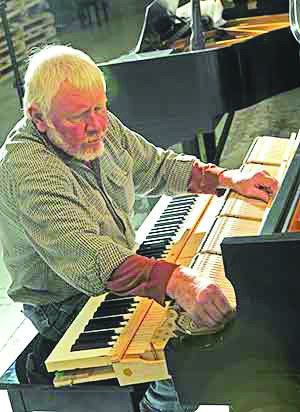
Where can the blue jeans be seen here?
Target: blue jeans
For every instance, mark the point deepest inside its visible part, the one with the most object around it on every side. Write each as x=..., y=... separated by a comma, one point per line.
x=161, y=396
x=52, y=320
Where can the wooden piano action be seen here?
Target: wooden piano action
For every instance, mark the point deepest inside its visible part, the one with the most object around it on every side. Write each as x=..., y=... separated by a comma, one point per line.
x=134, y=352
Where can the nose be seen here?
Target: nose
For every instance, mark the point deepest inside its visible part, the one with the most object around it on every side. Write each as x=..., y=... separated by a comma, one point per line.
x=95, y=122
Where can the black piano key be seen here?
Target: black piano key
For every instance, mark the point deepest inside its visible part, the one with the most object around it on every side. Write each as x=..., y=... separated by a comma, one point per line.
x=166, y=241
x=166, y=224
x=158, y=246
x=157, y=242
x=174, y=207
x=162, y=232
x=173, y=226
x=168, y=220
x=151, y=249
x=116, y=304
x=183, y=197
x=173, y=213
x=177, y=206
x=97, y=335
x=102, y=323
x=155, y=255
x=164, y=218
x=160, y=235
x=91, y=345
x=173, y=218
x=165, y=227
x=113, y=297
x=162, y=229
x=108, y=311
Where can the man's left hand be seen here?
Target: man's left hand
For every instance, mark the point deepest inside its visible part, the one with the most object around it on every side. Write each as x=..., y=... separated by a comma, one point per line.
x=259, y=185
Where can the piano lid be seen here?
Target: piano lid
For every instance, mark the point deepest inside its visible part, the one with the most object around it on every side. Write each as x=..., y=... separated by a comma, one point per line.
x=169, y=94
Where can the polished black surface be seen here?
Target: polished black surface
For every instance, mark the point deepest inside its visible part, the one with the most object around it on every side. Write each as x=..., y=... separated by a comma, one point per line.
x=168, y=97
x=255, y=360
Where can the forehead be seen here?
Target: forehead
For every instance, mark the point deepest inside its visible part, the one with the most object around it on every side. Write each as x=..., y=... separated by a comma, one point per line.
x=72, y=99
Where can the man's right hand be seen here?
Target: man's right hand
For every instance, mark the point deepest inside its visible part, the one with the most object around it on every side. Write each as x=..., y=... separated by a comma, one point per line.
x=199, y=296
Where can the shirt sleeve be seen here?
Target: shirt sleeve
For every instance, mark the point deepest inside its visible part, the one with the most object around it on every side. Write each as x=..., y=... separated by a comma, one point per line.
x=142, y=276
x=156, y=171
x=63, y=230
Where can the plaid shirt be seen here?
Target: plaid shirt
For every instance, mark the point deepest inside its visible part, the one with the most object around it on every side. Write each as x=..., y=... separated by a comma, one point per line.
x=65, y=227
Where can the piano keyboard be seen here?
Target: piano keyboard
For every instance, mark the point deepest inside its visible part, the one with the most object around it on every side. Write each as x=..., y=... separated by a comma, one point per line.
x=106, y=324
x=107, y=327
x=158, y=240
x=169, y=226
x=125, y=337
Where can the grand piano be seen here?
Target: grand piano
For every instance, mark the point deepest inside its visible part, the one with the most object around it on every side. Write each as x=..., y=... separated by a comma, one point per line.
x=254, y=365
x=170, y=95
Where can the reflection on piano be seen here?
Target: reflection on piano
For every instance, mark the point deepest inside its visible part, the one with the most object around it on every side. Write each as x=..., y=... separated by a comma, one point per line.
x=125, y=338
x=169, y=96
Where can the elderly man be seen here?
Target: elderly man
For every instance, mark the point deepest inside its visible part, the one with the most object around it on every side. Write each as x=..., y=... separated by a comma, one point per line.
x=69, y=172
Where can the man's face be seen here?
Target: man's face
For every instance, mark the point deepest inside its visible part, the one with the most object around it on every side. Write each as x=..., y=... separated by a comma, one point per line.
x=78, y=121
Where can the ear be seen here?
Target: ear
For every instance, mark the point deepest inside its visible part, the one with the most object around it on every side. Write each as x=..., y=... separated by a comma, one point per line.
x=38, y=118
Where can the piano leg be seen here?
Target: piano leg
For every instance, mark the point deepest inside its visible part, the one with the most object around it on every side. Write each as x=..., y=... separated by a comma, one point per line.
x=209, y=140
x=192, y=147
x=223, y=137
x=203, y=147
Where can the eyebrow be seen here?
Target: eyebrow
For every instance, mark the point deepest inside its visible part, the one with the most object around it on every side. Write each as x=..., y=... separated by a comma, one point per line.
x=79, y=112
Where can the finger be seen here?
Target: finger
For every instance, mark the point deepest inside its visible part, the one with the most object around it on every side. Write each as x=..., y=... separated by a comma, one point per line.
x=213, y=303
x=205, y=314
x=270, y=184
x=212, y=293
x=222, y=304
x=214, y=313
x=201, y=316
x=259, y=193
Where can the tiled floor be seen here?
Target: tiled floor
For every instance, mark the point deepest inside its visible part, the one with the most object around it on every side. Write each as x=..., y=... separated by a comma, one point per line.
x=5, y=403
x=276, y=116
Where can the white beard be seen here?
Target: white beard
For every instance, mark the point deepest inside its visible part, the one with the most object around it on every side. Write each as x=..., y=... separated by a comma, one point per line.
x=86, y=152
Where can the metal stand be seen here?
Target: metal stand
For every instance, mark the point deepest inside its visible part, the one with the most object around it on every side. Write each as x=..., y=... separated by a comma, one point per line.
x=197, y=37
x=11, y=50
